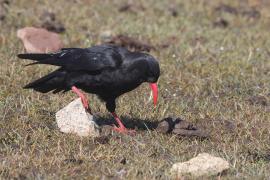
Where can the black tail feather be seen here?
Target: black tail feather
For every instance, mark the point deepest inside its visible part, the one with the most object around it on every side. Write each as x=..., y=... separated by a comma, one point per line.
x=40, y=59
x=53, y=81
x=33, y=56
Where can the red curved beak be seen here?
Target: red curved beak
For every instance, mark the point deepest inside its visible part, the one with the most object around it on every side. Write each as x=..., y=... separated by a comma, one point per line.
x=154, y=88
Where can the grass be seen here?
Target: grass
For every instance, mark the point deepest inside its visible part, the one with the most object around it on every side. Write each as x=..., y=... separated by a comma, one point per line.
x=214, y=77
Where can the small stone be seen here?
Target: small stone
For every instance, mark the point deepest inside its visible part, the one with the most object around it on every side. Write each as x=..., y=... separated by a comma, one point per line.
x=74, y=119
x=39, y=40
x=202, y=165
x=182, y=124
x=168, y=124
x=163, y=127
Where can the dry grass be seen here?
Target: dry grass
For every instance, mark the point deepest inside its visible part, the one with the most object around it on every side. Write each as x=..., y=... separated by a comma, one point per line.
x=215, y=77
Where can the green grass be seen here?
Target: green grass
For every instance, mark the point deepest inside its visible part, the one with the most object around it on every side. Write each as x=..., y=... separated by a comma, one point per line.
x=208, y=78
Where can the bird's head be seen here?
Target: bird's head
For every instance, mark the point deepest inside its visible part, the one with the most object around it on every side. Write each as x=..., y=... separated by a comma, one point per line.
x=152, y=75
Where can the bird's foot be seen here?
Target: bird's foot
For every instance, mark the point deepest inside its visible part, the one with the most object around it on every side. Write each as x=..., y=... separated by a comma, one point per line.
x=85, y=103
x=124, y=130
x=121, y=129
x=83, y=99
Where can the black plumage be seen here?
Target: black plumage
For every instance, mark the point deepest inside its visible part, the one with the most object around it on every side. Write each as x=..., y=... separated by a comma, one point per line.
x=105, y=70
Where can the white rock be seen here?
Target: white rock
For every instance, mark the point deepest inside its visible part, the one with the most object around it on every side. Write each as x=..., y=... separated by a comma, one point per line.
x=39, y=40
x=74, y=119
x=202, y=165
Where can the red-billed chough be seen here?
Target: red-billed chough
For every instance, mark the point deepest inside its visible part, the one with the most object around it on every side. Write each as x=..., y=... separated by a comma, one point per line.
x=105, y=70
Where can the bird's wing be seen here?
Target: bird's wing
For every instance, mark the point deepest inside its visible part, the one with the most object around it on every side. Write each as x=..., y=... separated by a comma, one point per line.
x=90, y=59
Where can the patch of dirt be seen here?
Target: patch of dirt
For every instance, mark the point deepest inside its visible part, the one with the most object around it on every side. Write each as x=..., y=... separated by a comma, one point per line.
x=134, y=44
x=130, y=43
x=180, y=127
x=49, y=22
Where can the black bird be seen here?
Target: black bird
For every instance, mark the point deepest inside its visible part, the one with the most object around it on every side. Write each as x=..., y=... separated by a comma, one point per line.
x=105, y=70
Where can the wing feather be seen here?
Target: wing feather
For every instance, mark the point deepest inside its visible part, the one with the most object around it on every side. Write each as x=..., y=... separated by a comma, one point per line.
x=75, y=59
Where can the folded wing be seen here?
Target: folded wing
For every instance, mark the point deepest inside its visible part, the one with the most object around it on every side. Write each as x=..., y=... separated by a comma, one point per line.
x=77, y=59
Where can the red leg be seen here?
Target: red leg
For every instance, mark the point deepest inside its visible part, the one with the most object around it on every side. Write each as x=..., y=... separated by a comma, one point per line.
x=83, y=98
x=121, y=128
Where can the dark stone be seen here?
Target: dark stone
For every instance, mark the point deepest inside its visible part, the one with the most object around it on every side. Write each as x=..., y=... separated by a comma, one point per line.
x=180, y=127
x=163, y=127
x=220, y=22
